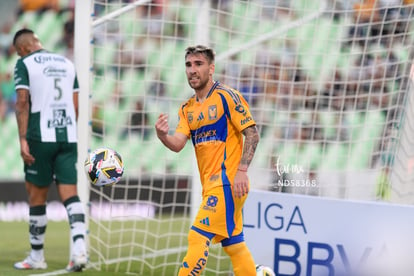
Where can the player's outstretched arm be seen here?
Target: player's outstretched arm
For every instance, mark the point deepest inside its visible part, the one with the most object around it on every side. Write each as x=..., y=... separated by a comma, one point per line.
x=175, y=142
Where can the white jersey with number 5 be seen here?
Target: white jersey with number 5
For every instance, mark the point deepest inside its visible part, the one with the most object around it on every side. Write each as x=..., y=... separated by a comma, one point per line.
x=51, y=80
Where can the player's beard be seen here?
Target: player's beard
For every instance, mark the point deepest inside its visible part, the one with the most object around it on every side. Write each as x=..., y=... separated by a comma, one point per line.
x=199, y=84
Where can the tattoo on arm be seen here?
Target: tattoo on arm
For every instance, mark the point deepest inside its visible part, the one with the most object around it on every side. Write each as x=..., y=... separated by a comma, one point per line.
x=250, y=143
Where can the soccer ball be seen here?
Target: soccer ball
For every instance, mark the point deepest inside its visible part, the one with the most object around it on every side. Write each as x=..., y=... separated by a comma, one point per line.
x=103, y=167
x=262, y=270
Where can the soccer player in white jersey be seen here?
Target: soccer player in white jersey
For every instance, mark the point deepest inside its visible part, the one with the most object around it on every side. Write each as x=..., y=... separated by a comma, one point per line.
x=46, y=113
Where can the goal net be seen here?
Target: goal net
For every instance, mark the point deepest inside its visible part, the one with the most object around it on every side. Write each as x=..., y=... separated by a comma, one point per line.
x=328, y=83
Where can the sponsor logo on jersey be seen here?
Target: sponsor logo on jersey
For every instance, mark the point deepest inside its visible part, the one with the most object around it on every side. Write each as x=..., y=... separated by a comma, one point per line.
x=31, y=171
x=59, y=119
x=240, y=108
x=17, y=80
x=54, y=72
x=205, y=134
x=47, y=58
x=214, y=177
x=210, y=209
x=200, y=117
x=212, y=201
x=246, y=120
x=211, y=204
x=205, y=221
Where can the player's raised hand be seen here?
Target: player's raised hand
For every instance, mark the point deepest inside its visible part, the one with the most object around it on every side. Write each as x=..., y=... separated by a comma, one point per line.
x=174, y=142
x=161, y=126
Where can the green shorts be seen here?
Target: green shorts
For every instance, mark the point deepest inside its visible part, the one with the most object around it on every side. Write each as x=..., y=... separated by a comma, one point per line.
x=53, y=162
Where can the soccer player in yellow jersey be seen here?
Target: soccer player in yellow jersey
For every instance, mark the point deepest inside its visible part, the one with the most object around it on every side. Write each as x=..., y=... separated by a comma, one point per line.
x=215, y=118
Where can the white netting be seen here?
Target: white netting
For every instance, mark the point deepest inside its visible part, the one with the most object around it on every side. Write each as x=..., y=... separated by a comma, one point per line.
x=328, y=84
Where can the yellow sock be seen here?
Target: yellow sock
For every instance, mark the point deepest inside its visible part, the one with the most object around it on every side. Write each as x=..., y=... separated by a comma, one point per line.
x=196, y=258
x=241, y=259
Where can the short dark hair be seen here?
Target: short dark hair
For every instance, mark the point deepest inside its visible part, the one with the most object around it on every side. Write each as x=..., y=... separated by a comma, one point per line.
x=21, y=32
x=200, y=49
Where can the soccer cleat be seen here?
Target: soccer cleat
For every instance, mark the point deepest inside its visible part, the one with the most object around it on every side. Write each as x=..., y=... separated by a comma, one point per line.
x=29, y=263
x=77, y=263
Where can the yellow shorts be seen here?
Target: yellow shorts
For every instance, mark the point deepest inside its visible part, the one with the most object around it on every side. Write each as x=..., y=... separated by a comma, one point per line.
x=220, y=213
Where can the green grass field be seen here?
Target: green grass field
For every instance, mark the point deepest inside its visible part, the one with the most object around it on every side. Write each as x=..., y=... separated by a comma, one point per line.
x=14, y=246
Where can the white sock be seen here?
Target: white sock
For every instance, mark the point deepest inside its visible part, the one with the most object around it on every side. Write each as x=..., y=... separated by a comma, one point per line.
x=37, y=230
x=37, y=255
x=76, y=216
x=79, y=247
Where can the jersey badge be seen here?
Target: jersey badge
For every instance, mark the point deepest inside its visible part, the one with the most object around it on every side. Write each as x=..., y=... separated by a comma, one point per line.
x=212, y=112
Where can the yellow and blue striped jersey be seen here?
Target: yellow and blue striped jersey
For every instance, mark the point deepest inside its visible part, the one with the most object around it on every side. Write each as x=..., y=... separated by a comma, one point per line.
x=214, y=127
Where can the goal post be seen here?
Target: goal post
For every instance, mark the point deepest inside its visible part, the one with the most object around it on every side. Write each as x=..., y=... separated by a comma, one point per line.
x=83, y=58
x=402, y=175
x=83, y=11
x=201, y=37
x=329, y=88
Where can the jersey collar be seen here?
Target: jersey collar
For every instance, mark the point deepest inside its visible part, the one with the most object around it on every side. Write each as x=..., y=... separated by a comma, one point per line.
x=216, y=83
